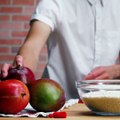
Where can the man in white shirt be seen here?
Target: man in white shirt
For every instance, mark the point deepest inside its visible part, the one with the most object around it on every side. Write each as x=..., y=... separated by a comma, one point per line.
x=83, y=38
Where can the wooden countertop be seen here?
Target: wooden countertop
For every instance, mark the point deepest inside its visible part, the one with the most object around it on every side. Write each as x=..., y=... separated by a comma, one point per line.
x=75, y=112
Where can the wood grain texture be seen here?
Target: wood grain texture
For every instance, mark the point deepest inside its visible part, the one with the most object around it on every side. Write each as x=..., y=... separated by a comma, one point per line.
x=75, y=112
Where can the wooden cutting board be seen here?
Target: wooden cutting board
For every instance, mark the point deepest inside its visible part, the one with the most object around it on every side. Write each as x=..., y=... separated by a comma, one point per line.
x=75, y=112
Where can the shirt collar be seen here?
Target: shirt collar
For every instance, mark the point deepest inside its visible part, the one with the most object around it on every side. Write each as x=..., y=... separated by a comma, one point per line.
x=93, y=2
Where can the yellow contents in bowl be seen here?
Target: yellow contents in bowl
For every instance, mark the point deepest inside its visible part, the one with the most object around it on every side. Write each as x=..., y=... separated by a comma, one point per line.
x=103, y=101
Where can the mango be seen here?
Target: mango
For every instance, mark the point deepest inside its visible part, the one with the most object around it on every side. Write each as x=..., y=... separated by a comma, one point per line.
x=14, y=96
x=46, y=95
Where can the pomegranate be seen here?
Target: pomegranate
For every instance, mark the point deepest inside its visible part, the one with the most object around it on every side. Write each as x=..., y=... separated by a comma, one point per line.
x=46, y=95
x=14, y=96
x=21, y=73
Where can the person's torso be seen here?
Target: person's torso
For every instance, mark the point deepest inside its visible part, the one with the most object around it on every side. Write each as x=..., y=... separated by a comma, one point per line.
x=87, y=35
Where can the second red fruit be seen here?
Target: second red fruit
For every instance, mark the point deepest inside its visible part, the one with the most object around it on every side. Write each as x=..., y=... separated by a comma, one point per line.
x=21, y=73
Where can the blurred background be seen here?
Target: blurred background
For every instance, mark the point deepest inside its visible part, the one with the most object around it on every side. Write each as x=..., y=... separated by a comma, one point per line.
x=14, y=24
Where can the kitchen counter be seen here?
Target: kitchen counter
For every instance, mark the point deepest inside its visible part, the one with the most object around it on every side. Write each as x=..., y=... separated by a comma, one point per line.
x=75, y=112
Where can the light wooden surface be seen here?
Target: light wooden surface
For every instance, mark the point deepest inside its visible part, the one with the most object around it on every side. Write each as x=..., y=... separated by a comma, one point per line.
x=75, y=112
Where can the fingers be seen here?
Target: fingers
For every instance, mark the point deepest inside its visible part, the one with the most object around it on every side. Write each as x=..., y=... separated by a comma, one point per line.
x=89, y=77
x=6, y=67
x=103, y=76
x=95, y=73
x=4, y=70
x=19, y=60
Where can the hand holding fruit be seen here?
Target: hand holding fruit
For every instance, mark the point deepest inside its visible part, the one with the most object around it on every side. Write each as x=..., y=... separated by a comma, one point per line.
x=45, y=94
x=6, y=67
x=19, y=72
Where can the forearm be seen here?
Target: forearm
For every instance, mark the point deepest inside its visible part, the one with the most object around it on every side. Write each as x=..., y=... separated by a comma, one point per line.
x=30, y=55
x=35, y=40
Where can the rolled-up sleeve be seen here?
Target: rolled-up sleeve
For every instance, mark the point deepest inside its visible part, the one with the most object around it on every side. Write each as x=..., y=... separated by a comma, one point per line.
x=47, y=11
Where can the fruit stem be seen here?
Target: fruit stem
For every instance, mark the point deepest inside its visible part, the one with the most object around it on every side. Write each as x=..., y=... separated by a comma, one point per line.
x=18, y=67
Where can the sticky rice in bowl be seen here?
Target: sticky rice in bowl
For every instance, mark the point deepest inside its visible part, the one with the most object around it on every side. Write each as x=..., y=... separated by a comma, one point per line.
x=100, y=96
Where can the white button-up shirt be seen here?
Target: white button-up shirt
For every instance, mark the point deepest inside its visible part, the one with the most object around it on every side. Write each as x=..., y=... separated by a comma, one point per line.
x=85, y=34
